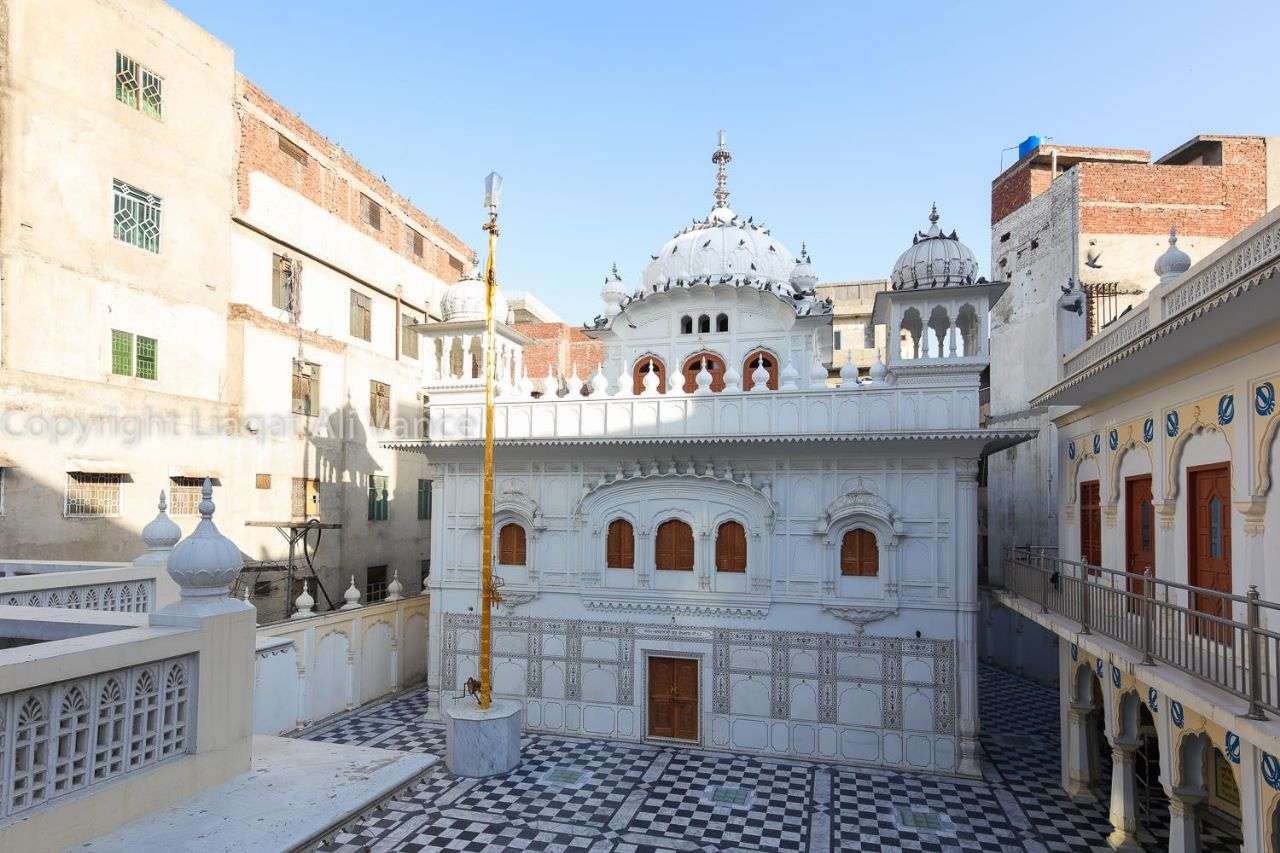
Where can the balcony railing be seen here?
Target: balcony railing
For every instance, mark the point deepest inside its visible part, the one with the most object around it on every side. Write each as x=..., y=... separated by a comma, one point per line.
x=1196, y=630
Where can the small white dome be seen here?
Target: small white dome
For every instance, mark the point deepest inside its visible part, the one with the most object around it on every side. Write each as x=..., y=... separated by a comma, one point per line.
x=613, y=292
x=464, y=301
x=934, y=260
x=1174, y=262
x=803, y=278
x=206, y=562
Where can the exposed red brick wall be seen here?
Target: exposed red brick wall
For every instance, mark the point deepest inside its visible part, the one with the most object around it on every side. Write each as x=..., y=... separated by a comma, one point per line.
x=562, y=348
x=324, y=180
x=1216, y=201
x=1030, y=176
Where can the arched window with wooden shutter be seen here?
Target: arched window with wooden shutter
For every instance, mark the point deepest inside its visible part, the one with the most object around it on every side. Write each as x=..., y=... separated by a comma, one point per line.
x=731, y=547
x=760, y=358
x=620, y=551
x=693, y=365
x=859, y=554
x=643, y=366
x=673, y=546
x=511, y=545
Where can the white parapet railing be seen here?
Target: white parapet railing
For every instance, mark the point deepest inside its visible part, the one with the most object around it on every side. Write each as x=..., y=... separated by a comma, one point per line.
x=311, y=668
x=114, y=587
x=60, y=738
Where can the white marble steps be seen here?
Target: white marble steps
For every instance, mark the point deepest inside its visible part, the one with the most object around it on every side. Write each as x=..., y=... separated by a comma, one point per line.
x=296, y=793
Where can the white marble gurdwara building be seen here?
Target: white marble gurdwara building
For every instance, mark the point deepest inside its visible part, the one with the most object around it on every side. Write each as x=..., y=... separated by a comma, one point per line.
x=708, y=541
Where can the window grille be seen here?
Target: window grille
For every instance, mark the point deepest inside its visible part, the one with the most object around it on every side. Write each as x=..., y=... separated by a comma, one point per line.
x=1102, y=305
x=121, y=353
x=152, y=93
x=379, y=405
x=91, y=494
x=184, y=495
x=146, y=358
x=370, y=212
x=136, y=217
x=409, y=336
x=306, y=388
x=424, y=500
x=305, y=498
x=126, y=80
x=361, y=316
x=375, y=584
x=379, y=500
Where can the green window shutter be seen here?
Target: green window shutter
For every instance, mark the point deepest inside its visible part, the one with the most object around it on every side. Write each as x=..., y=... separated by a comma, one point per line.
x=424, y=500
x=121, y=353
x=146, y=358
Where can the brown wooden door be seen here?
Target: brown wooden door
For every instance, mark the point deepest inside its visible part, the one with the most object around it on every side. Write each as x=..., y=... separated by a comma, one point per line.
x=1209, y=549
x=673, y=698
x=1090, y=523
x=1140, y=537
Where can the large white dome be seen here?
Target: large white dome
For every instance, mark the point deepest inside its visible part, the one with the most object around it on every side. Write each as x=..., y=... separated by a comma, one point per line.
x=934, y=260
x=464, y=301
x=721, y=246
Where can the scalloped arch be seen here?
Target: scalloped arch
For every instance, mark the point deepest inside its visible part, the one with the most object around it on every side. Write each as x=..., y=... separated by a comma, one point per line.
x=1198, y=427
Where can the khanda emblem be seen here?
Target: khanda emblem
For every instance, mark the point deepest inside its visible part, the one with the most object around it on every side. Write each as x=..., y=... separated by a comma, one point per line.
x=1264, y=399
x=1226, y=409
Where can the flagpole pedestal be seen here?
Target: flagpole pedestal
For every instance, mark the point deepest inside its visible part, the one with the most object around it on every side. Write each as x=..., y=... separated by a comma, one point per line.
x=481, y=742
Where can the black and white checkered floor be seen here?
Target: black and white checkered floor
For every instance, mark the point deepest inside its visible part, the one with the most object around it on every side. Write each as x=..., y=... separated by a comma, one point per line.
x=592, y=795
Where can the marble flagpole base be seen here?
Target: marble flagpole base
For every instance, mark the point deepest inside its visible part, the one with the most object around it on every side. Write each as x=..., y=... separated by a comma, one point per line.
x=481, y=743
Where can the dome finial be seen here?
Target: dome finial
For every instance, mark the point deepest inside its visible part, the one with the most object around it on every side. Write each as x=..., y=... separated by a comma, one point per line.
x=933, y=213
x=721, y=158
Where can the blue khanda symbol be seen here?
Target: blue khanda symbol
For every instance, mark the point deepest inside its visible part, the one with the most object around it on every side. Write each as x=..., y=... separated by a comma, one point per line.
x=1271, y=770
x=1071, y=450
x=1171, y=424
x=1149, y=430
x=1153, y=699
x=1115, y=676
x=1264, y=399
x=1097, y=445
x=1233, y=747
x=1075, y=652
x=1101, y=670
x=1175, y=711
x=1113, y=439
x=1226, y=409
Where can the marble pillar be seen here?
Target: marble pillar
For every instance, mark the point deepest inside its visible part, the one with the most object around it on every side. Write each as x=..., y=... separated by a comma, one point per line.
x=1077, y=753
x=1184, y=820
x=1124, y=799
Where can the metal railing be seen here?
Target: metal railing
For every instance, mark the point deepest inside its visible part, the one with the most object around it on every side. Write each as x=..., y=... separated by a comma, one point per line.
x=1218, y=637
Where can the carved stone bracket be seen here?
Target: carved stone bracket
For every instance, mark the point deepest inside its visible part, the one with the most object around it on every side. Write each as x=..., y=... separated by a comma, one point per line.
x=512, y=600
x=1254, y=511
x=860, y=617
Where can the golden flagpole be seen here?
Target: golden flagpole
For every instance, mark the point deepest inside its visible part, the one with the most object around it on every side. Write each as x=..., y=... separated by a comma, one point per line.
x=492, y=197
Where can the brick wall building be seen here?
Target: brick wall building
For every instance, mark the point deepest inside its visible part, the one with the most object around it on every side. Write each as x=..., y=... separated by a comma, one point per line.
x=560, y=348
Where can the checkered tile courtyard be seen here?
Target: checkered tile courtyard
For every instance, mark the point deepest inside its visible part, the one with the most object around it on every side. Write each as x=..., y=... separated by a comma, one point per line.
x=573, y=794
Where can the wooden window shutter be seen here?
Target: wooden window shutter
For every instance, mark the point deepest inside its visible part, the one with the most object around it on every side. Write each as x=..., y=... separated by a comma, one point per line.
x=731, y=547
x=674, y=546
x=621, y=550
x=511, y=545
x=859, y=554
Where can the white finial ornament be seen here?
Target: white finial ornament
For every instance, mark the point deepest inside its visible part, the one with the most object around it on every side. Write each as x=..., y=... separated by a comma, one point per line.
x=732, y=379
x=760, y=376
x=160, y=535
x=848, y=371
x=789, y=378
x=575, y=384
x=624, y=382
x=206, y=562
x=351, y=596
x=703, y=379
x=304, y=603
x=550, y=388
x=1174, y=262
x=817, y=371
x=395, y=589
x=651, y=379
x=599, y=382
x=878, y=371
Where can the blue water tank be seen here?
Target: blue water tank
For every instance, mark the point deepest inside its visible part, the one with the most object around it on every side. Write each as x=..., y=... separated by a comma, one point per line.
x=1031, y=143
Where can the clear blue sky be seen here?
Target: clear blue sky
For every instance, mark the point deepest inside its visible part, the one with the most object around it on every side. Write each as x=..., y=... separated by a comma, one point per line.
x=845, y=120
